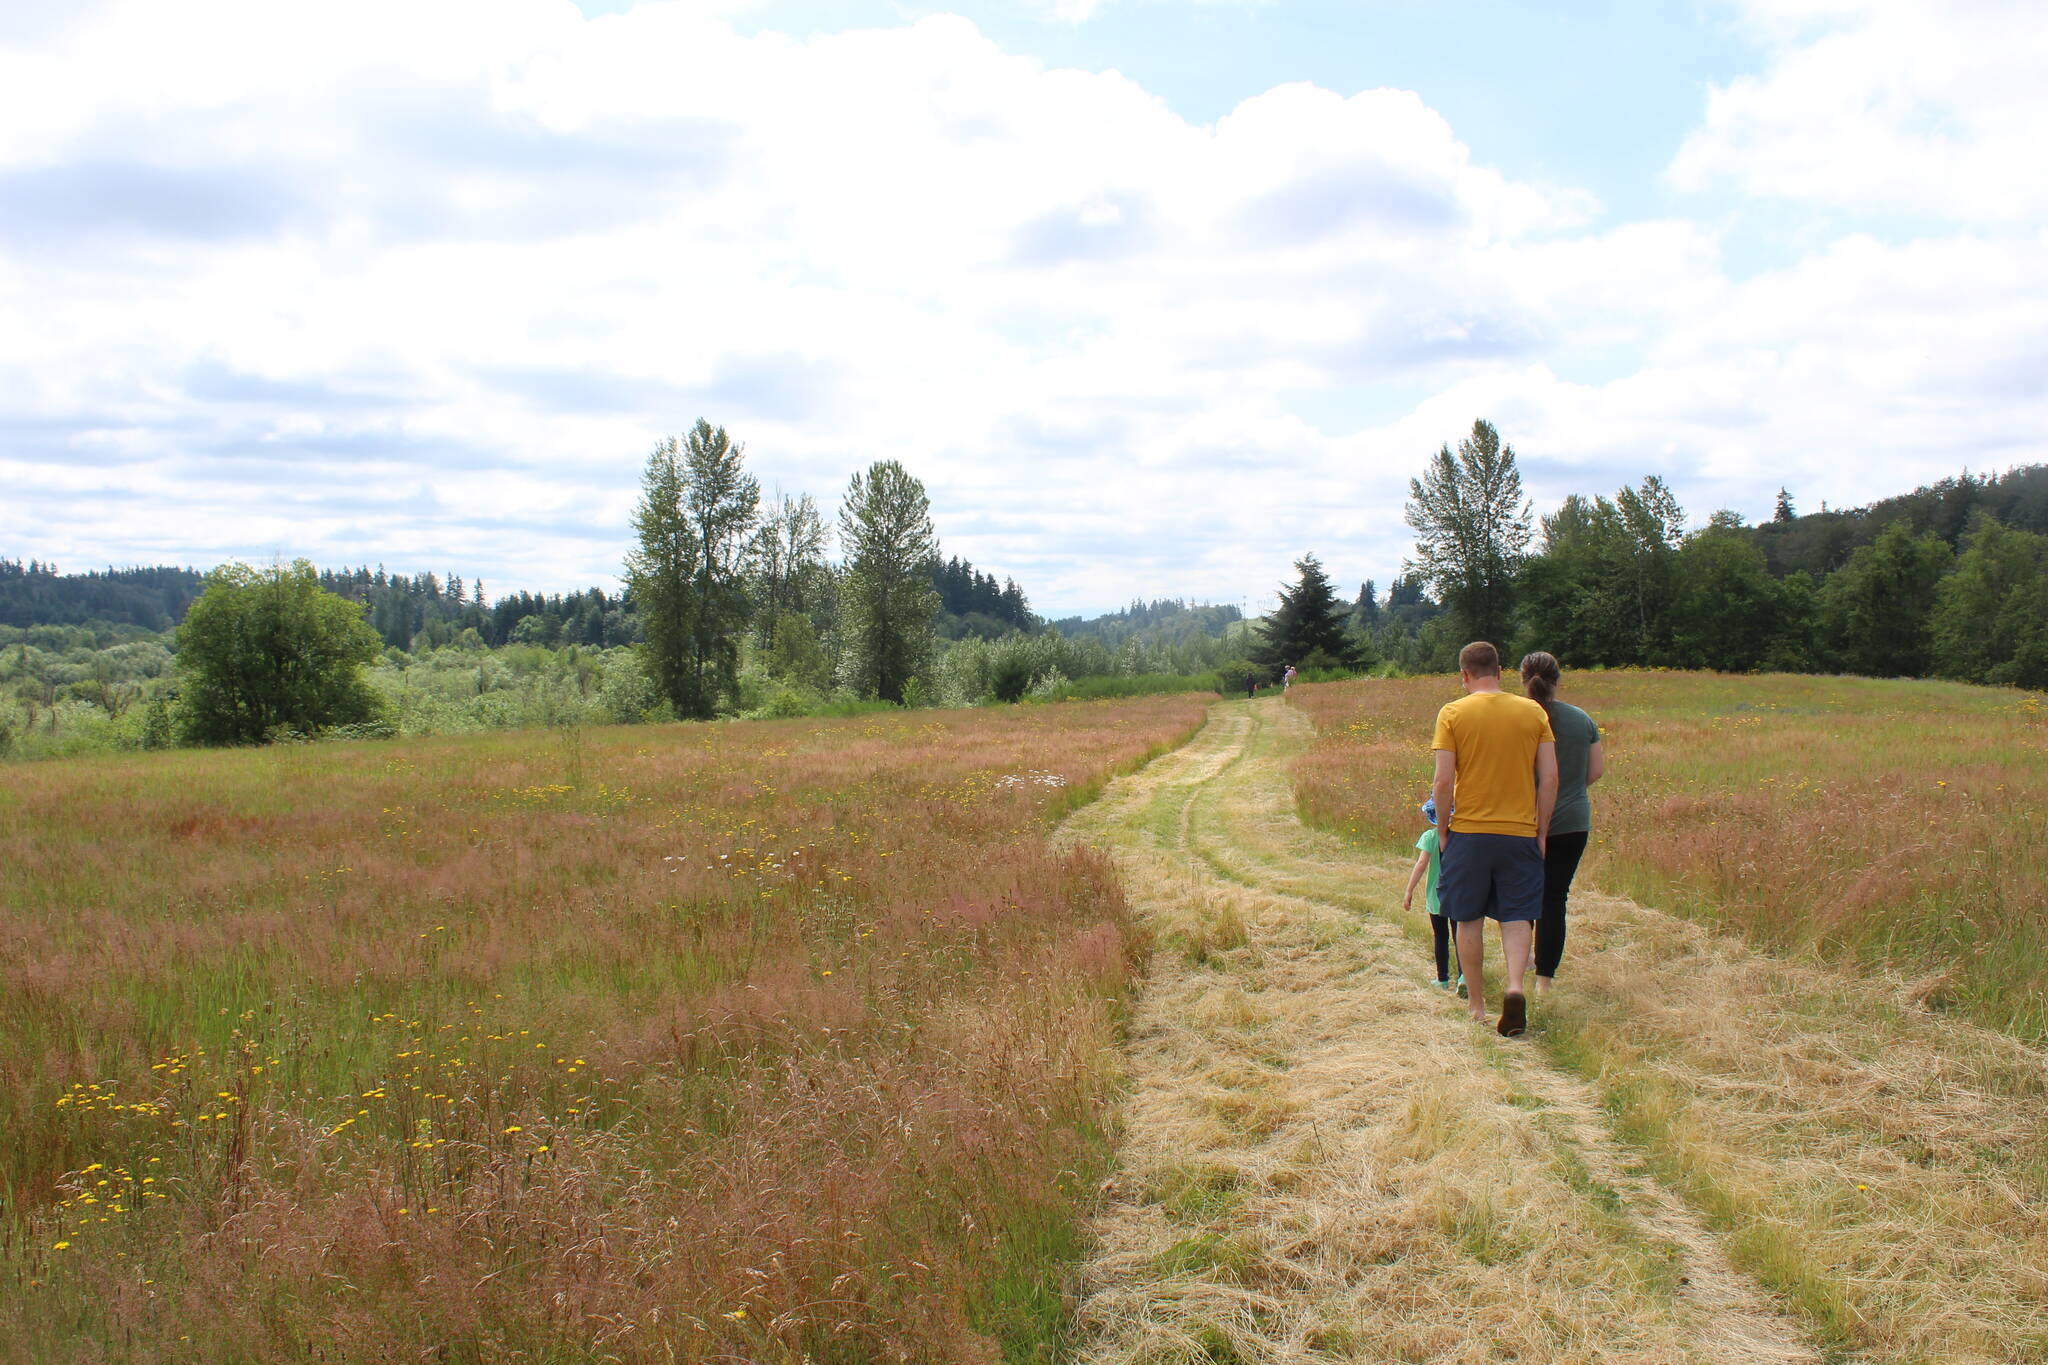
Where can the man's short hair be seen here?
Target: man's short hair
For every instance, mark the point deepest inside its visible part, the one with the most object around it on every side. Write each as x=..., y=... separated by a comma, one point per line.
x=1480, y=659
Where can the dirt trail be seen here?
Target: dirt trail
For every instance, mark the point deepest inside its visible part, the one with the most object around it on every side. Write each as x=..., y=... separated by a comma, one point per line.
x=1322, y=1159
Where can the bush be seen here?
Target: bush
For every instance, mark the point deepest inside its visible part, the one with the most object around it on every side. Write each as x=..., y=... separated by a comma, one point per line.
x=628, y=695
x=159, y=729
x=1049, y=685
x=785, y=703
x=1009, y=677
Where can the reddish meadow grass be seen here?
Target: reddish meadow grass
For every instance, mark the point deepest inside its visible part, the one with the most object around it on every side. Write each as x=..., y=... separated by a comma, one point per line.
x=1893, y=824
x=777, y=1041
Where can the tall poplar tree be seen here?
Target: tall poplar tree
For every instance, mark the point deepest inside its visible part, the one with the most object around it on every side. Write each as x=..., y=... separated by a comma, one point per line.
x=886, y=599
x=697, y=510
x=1472, y=528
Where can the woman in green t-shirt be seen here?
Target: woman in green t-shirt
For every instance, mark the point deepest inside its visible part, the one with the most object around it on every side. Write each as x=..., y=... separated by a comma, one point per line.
x=1579, y=765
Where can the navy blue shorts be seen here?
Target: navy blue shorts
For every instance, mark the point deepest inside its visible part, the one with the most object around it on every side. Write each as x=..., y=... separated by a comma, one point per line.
x=1497, y=876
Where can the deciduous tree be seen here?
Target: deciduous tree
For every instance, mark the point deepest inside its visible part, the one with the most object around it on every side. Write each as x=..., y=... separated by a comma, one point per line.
x=696, y=514
x=1729, y=613
x=264, y=651
x=787, y=560
x=1990, y=621
x=1874, y=610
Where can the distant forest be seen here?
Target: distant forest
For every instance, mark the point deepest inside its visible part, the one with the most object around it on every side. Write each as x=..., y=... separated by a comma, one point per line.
x=1168, y=620
x=1818, y=543
x=427, y=611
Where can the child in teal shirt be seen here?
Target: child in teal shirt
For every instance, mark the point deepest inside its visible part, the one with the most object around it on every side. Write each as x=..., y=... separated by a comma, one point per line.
x=1428, y=862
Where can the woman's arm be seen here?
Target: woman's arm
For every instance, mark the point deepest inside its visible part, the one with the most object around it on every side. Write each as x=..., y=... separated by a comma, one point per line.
x=1596, y=763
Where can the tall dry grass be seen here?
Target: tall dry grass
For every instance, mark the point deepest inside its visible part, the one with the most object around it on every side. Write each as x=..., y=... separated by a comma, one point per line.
x=1901, y=825
x=770, y=1042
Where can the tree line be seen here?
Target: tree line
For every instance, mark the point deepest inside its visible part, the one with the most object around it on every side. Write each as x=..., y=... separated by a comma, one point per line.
x=1950, y=580
x=736, y=605
x=407, y=611
x=426, y=611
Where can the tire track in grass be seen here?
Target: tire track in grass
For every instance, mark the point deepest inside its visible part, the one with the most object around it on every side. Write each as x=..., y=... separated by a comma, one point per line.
x=1321, y=1161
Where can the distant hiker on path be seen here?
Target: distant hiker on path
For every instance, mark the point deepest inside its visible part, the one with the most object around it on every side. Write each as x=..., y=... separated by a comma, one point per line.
x=1496, y=772
x=1579, y=765
x=1285, y=679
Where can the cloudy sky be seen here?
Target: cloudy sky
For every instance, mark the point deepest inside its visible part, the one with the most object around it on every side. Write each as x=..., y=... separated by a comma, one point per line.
x=1154, y=295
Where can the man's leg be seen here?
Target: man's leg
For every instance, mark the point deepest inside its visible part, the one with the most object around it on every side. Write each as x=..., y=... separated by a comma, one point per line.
x=1463, y=886
x=1515, y=935
x=1519, y=881
x=1514, y=941
x=1472, y=962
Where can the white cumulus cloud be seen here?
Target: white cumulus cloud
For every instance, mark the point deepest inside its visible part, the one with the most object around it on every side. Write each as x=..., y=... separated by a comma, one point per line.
x=1930, y=108
x=423, y=283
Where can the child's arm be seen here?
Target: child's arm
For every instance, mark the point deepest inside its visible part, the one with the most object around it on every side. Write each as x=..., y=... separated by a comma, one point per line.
x=1415, y=879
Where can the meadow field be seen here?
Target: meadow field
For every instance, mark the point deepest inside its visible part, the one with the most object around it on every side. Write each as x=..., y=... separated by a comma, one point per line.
x=1896, y=825
x=1805, y=982
x=777, y=1041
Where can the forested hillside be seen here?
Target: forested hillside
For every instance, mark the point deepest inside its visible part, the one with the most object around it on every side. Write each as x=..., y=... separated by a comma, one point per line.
x=429, y=610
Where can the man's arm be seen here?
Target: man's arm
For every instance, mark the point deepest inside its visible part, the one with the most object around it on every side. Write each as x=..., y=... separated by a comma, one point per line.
x=1546, y=793
x=1596, y=764
x=1446, y=778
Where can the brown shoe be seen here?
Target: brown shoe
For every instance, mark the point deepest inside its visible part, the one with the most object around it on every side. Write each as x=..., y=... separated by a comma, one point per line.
x=1514, y=1015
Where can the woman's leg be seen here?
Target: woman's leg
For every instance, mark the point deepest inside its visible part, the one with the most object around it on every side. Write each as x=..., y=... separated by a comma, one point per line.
x=1560, y=865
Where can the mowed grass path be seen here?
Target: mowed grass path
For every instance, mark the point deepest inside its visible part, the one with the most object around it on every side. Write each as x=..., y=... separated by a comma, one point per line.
x=776, y=1041
x=1324, y=1161
x=1861, y=868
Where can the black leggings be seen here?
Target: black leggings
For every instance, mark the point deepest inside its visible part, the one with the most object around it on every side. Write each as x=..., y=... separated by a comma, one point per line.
x=1560, y=865
x=1440, y=928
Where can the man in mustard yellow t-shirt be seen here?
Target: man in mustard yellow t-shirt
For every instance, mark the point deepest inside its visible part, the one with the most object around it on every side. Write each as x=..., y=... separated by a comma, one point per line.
x=1496, y=772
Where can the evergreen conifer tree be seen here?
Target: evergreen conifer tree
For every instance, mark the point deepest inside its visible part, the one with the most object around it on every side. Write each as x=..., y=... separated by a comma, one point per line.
x=1472, y=528
x=1308, y=627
